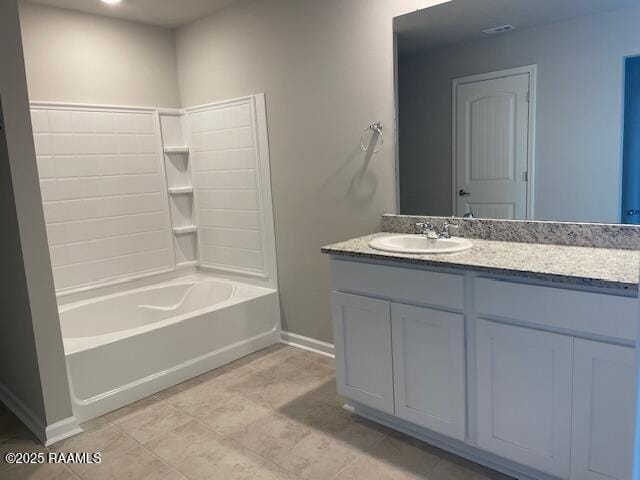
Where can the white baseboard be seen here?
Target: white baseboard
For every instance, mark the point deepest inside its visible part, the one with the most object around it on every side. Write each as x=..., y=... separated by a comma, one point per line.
x=47, y=434
x=307, y=343
x=60, y=430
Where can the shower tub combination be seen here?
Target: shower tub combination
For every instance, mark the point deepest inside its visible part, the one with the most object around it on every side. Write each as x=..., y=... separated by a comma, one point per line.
x=163, y=271
x=128, y=345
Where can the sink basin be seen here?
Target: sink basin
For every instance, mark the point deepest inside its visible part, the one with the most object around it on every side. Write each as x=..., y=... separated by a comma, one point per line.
x=420, y=244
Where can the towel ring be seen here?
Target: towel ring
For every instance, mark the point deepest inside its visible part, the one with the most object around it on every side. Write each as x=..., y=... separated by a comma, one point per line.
x=376, y=128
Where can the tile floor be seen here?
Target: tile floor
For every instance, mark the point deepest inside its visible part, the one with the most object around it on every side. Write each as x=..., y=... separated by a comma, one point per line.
x=273, y=415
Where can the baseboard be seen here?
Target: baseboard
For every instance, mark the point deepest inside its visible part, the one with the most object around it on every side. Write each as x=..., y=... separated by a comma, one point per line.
x=307, y=343
x=24, y=413
x=60, y=430
x=47, y=434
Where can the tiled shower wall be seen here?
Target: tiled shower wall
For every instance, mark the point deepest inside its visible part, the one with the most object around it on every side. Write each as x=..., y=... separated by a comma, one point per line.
x=226, y=179
x=104, y=193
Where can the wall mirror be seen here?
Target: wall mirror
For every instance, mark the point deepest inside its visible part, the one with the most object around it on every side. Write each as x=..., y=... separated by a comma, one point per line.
x=520, y=109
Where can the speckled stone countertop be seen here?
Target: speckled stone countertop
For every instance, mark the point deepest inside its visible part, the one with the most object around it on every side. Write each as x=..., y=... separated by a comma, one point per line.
x=586, y=266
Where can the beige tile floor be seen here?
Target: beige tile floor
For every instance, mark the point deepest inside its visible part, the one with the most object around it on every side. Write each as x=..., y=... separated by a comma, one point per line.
x=273, y=415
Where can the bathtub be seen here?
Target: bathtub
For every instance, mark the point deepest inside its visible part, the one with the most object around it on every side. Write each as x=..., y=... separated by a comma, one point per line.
x=125, y=346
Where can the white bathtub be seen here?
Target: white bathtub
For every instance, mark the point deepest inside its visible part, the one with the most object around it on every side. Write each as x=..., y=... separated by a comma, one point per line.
x=128, y=345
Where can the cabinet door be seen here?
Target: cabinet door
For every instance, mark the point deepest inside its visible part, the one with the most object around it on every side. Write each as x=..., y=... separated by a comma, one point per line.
x=604, y=396
x=429, y=374
x=362, y=333
x=524, y=395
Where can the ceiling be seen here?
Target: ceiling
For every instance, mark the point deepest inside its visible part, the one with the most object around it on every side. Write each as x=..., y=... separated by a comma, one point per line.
x=463, y=20
x=163, y=13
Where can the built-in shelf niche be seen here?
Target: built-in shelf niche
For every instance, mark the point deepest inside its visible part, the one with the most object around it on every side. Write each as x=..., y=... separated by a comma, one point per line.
x=180, y=190
x=181, y=210
x=178, y=171
x=180, y=187
x=178, y=150
x=186, y=247
x=185, y=230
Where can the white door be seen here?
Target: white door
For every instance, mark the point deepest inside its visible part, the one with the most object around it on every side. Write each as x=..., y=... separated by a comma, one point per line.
x=524, y=396
x=491, y=122
x=604, y=396
x=362, y=334
x=428, y=359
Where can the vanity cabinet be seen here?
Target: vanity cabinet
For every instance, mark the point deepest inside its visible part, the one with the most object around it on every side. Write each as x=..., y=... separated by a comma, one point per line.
x=534, y=379
x=604, y=392
x=429, y=371
x=524, y=395
x=427, y=386
x=362, y=331
x=402, y=359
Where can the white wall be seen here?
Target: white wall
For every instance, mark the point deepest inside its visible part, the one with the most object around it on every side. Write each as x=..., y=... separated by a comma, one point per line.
x=579, y=114
x=31, y=355
x=326, y=68
x=80, y=58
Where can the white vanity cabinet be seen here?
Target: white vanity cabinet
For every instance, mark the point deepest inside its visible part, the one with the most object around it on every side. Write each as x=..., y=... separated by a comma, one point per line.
x=429, y=372
x=604, y=392
x=428, y=354
x=524, y=395
x=536, y=380
x=398, y=358
x=362, y=330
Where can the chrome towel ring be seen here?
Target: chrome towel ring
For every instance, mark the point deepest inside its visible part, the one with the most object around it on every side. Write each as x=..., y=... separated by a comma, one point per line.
x=376, y=128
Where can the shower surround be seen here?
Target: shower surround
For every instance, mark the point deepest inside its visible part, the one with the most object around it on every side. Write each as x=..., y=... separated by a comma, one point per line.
x=145, y=203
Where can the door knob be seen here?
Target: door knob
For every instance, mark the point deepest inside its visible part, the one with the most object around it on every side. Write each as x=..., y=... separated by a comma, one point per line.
x=633, y=211
x=462, y=193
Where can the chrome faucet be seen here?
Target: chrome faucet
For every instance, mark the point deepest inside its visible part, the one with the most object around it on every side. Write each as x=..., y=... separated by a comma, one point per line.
x=444, y=231
x=427, y=229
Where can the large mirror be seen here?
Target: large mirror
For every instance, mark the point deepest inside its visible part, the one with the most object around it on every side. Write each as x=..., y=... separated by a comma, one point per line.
x=520, y=109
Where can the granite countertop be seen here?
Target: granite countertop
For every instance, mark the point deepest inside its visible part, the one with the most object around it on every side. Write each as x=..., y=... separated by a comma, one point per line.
x=596, y=267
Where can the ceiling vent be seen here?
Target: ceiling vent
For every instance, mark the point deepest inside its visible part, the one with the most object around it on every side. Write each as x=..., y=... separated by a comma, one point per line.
x=499, y=30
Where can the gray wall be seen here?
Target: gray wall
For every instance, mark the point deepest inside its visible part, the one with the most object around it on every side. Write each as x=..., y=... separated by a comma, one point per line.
x=327, y=71
x=32, y=366
x=79, y=58
x=579, y=113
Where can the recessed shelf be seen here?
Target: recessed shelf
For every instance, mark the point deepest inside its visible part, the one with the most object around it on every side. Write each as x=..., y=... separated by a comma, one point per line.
x=185, y=230
x=180, y=190
x=180, y=149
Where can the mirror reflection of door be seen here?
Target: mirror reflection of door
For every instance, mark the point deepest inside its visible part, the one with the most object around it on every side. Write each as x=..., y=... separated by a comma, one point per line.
x=491, y=131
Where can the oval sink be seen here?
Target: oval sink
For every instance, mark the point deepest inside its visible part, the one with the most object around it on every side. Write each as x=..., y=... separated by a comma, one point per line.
x=420, y=244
